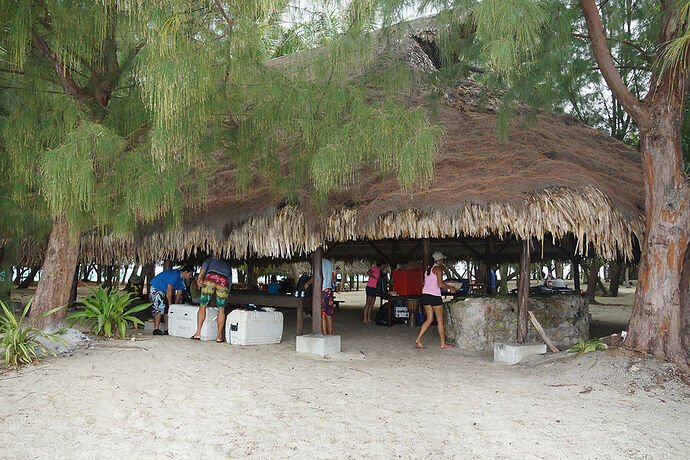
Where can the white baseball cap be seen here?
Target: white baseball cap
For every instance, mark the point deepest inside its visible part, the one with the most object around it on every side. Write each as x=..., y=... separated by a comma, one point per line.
x=438, y=255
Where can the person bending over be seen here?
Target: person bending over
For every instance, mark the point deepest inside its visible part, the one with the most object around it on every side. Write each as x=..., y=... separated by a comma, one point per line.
x=432, y=301
x=214, y=278
x=161, y=291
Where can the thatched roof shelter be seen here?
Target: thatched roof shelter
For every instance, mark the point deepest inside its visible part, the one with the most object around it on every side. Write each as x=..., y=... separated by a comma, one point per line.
x=572, y=188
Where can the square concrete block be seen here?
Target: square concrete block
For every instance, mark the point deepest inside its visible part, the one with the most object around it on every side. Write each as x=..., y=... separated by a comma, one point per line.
x=322, y=345
x=513, y=353
x=148, y=326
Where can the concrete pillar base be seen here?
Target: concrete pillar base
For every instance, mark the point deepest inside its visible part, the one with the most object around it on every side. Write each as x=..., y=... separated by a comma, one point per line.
x=317, y=344
x=513, y=352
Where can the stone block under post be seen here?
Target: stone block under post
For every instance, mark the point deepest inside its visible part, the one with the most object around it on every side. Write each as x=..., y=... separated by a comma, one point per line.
x=318, y=344
x=513, y=352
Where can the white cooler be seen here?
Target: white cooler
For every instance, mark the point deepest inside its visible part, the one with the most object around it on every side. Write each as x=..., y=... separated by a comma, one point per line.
x=182, y=321
x=247, y=327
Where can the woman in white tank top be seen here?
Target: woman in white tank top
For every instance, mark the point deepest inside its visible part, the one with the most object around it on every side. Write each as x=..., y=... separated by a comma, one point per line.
x=431, y=300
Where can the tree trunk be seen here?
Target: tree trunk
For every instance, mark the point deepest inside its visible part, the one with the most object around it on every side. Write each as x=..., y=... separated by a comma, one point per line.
x=503, y=282
x=148, y=272
x=559, y=270
x=26, y=282
x=593, y=276
x=55, y=284
x=655, y=325
x=20, y=274
x=685, y=300
x=615, y=272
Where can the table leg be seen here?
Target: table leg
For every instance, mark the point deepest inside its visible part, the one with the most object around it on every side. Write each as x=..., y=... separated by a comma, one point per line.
x=390, y=316
x=300, y=320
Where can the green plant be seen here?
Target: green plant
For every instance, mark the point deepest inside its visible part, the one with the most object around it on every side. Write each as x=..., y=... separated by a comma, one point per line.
x=105, y=310
x=586, y=347
x=20, y=344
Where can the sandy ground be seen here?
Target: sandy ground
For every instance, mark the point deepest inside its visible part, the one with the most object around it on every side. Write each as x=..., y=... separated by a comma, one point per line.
x=167, y=397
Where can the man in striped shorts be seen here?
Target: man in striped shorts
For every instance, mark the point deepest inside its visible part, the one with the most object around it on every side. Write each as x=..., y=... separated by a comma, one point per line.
x=214, y=278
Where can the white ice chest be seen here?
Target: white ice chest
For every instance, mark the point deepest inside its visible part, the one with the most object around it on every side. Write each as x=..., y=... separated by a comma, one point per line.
x=247, y=327
x=182, y=321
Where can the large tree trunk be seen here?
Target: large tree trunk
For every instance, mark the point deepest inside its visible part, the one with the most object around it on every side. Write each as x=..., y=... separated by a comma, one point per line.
x=55, y=284
x=655, y=325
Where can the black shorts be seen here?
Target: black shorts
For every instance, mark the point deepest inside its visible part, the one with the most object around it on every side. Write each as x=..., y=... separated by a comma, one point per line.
x=433, y=300
x=371, y=291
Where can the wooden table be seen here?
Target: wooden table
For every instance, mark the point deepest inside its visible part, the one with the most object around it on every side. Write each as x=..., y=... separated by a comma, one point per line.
x=261, y=299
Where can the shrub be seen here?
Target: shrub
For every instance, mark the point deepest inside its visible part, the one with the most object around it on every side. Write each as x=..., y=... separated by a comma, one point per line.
x=105, y=312
x=19, y=343
x=586, y=347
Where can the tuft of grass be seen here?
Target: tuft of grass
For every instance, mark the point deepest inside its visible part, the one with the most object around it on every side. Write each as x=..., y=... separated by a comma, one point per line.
x=20, y=345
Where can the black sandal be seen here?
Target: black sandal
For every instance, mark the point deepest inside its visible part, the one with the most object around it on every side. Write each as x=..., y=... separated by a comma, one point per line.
x=195, y=338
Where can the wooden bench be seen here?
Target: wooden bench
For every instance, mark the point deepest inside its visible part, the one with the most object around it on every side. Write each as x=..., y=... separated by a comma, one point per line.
x=261, y=299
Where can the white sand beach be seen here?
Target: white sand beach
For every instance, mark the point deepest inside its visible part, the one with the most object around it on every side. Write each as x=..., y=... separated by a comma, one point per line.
x=167, y=397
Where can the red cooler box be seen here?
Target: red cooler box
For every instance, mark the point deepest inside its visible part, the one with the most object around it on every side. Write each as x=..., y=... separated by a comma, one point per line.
x=407, y=282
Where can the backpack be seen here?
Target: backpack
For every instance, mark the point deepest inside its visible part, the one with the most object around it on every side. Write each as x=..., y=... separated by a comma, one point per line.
x=382, y=315
x=382, y=286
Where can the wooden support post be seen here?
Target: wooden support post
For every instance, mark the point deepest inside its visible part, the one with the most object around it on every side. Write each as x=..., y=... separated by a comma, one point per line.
x=300, y=320
x=523, y=292
x=487, y=266
x=427, y=255
x=576, y=273
x=316, y=292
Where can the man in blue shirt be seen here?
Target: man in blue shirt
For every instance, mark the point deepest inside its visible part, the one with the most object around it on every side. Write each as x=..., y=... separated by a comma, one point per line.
x=273, y=286
x=161, y=291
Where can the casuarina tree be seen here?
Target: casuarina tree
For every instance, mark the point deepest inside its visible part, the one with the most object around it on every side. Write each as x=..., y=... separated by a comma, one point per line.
x=115, y=113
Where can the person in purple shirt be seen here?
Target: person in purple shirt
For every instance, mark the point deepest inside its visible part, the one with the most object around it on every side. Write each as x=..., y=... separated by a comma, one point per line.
x=163, y=287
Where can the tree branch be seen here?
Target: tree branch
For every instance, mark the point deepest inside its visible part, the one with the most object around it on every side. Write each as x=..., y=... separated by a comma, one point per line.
x=601, y=52
x=626, y=67
x=229, y=20
x=18, y=72
x=66, y=79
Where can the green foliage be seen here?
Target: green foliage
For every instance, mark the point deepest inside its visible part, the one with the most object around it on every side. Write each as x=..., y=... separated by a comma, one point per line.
x=19, y=342
x=106, y=312
x=586, y=347
x=136, y=104
x=675, y=55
